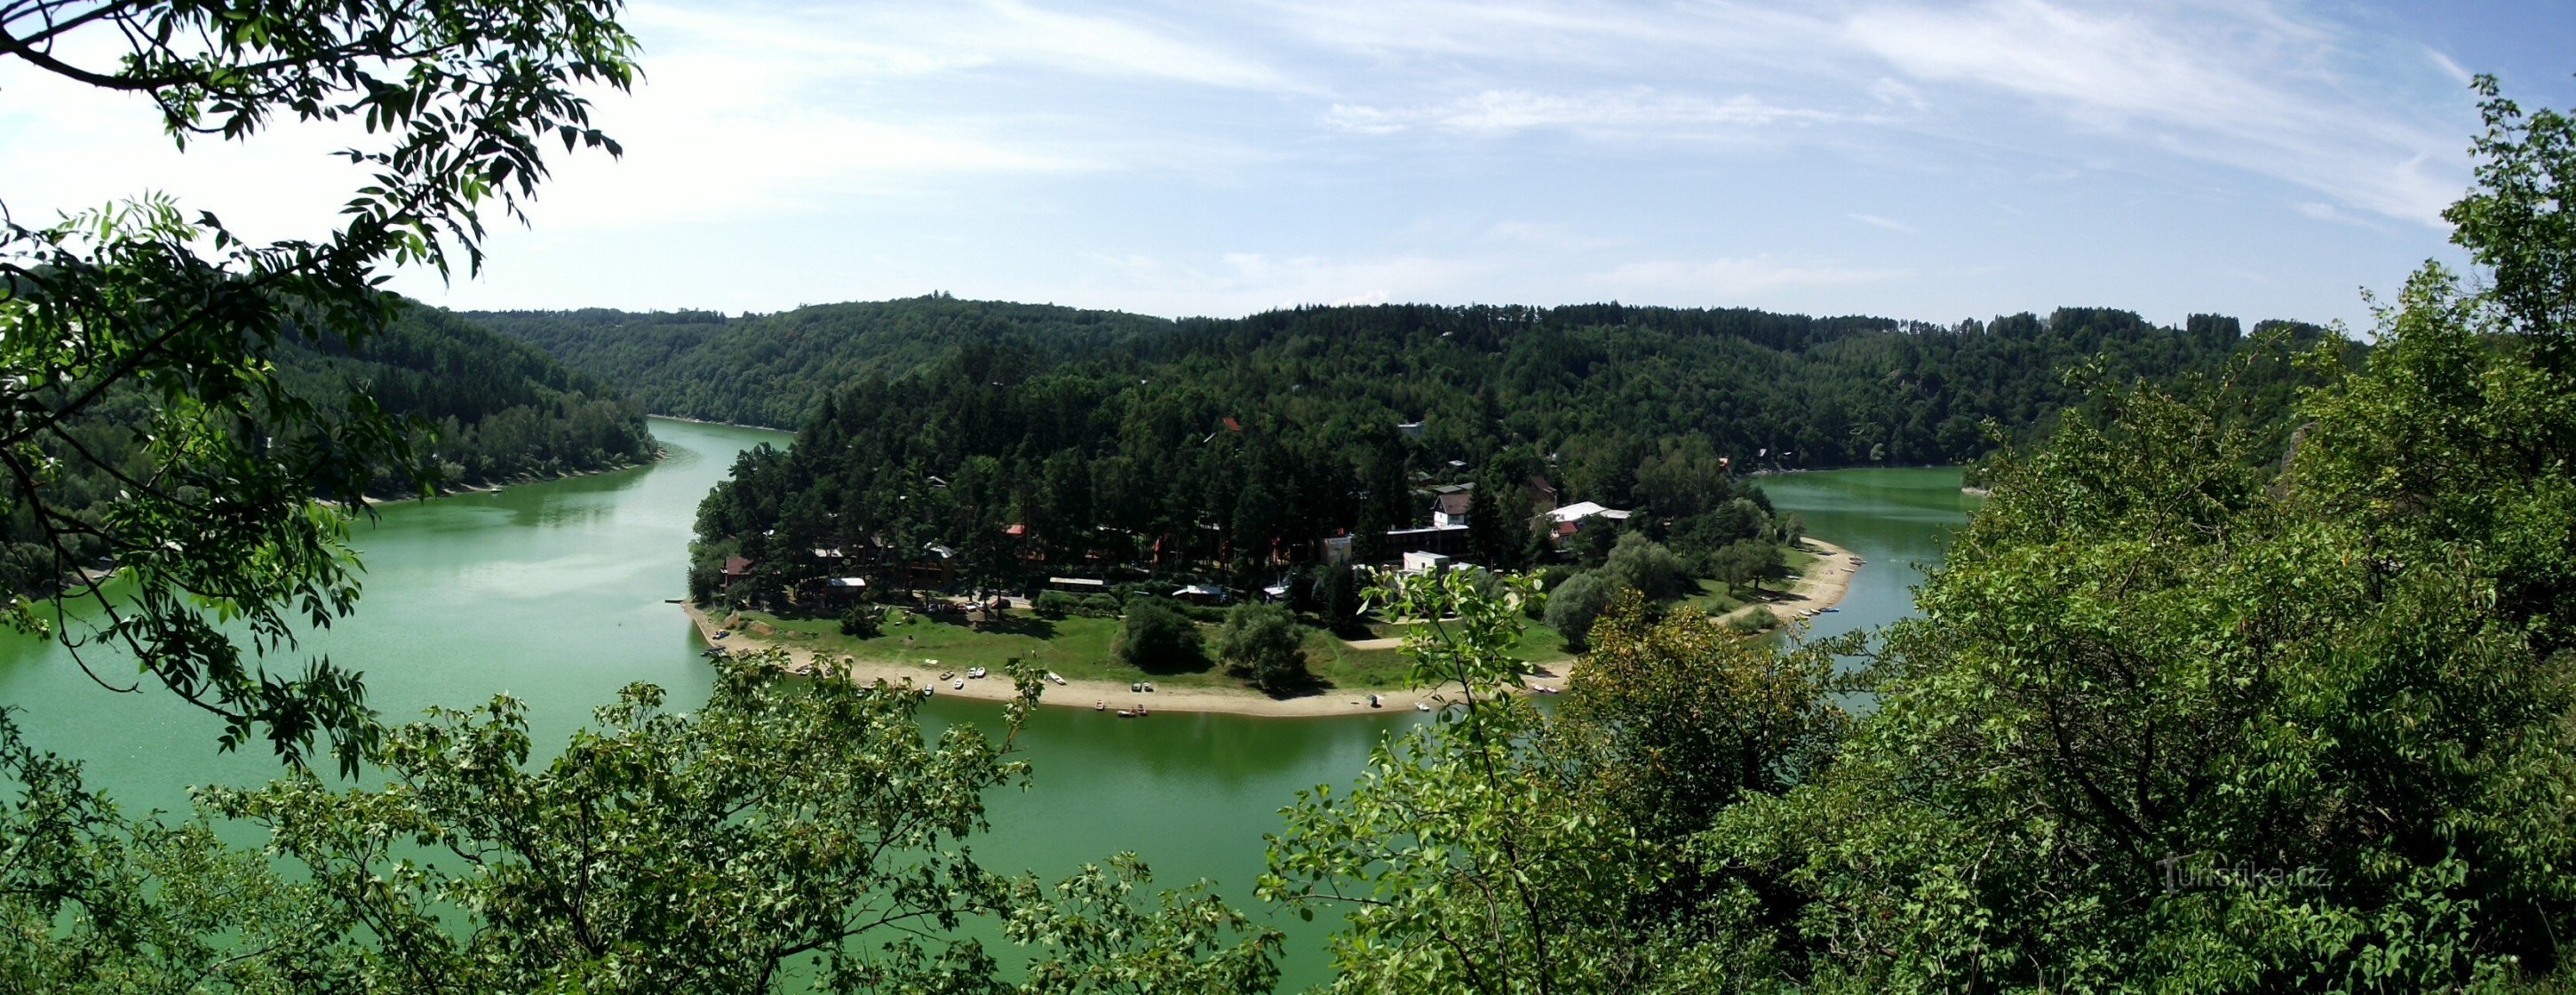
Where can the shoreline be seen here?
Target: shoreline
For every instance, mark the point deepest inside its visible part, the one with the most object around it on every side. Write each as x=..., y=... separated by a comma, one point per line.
x=721, y=424
x=1823, y=586
x=659, y=454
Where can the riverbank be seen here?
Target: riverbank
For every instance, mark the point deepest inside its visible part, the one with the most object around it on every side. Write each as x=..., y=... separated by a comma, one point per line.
x=659, y=453
x=1820, y=588
x=1823, y=585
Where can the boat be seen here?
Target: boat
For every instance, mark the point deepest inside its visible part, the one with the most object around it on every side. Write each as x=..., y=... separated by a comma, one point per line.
x=927, y=690
x=1136, y=688
x=977, y=673
x=1125, y=714
x=947, y=675
x=1149, y=687
x=1422, y=706
x=1100, y=706
x=959, y=685
x=1544, y=689
x=1053, y=676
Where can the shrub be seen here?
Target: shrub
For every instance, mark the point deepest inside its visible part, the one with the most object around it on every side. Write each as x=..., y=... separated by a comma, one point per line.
x=863, y=622
x=1054, y=604
x=1100, y=606
x=1754, y=622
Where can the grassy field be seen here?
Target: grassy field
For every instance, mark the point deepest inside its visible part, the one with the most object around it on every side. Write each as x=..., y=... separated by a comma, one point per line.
x=1078, y=648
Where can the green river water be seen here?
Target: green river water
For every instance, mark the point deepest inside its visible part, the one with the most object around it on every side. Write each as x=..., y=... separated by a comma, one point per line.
x=554, y=593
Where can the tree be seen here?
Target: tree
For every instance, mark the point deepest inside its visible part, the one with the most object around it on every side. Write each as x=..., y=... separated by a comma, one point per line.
x=1645, y=566
x=658, y=852
x=1156, y=638
x=1748, y=563
x=1339, y=590
x=140, y=300
x=1265, y=645
x=1575, y=604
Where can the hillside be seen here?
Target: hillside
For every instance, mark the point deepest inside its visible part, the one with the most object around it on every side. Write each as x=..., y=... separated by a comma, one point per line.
x=491, y=409
x=769, y=370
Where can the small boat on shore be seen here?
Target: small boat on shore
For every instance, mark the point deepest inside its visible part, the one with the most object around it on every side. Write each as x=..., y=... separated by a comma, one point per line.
x=1100, y=706
x=958, y=685
x=976, y=674
x=1422, y=706
x=1057, y=678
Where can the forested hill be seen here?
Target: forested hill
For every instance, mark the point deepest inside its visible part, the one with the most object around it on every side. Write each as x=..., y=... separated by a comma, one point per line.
x=491, y=410
x=1236, y=438
x=770, y=369
x=1828, y=391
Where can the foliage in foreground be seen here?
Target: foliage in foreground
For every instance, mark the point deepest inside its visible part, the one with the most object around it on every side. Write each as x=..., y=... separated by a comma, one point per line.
x=808, y=828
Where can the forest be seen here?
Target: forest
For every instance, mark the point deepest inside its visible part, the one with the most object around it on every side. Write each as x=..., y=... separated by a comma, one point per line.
x=1233, y=450
x=480, y=409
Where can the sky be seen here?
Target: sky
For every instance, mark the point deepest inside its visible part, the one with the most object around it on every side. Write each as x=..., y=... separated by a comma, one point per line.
x=1928, y=161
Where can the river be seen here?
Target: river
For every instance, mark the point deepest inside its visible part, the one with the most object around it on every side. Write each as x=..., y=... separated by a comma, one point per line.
x=554, y=593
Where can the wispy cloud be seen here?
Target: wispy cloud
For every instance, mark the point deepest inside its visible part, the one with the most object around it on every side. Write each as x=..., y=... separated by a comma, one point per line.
x=1632, y=110
x=2245, y=86
x=1890, y=224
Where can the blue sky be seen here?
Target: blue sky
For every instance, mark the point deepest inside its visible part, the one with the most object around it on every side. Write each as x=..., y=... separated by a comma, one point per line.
x=1917, y=160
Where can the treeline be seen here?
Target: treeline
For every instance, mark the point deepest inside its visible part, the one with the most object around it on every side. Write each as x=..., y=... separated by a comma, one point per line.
x=769, y=370
x=489, y=410
x=1244, y=444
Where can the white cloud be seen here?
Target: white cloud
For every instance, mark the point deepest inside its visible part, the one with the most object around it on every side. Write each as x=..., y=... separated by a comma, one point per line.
x=1632, y=110
x=1238, y=283
x=1887, y=223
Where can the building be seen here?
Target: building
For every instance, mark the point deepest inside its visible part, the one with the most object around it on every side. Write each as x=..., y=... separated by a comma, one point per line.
x=1450, y=503
x=1422, y=562
x=844, y=588
x=1565, y=522
x=735, y=568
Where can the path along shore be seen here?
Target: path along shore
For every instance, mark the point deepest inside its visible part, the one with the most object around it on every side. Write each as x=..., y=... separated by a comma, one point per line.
x=1824, y=584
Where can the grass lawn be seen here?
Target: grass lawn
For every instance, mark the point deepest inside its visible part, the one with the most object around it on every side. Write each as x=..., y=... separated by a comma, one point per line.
x=1714, y=598
x=1078, y=648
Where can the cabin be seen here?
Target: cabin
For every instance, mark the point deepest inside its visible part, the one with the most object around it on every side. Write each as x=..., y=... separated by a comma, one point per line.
x=1423, y=563
x=844, y=589
x=1450, y=503
x=735, y=568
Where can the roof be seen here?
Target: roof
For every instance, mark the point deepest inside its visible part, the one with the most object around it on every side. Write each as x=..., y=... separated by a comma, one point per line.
x=737, y=565
x=821, y=553
x=1078, y=581
x=848, y=582
x=1202, y=590
x=1232, y=425
x=1585, y=509
x=1016, y=529
x=943, y=551
x=1455, y=502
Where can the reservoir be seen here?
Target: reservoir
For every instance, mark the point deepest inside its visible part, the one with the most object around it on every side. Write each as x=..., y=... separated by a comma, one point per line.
x=555, y=593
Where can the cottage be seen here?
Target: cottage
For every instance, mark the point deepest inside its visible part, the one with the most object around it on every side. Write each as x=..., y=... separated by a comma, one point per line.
x=735, y=568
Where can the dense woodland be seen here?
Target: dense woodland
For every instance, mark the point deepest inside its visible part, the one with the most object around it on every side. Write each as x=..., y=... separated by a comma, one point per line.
x=484, y=409
x=1237, y=446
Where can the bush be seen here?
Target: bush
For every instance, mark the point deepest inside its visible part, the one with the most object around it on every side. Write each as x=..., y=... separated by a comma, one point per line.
x=1156, y=637
x=1265, y=645
x=863, y=622
x=1755, y=622
x=1054, y=604
x=1100, y=606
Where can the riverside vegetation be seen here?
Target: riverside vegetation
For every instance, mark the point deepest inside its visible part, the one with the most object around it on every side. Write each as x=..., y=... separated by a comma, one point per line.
x=2202, y=701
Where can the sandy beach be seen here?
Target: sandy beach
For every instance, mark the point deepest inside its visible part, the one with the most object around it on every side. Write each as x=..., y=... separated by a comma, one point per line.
x=1825, y=584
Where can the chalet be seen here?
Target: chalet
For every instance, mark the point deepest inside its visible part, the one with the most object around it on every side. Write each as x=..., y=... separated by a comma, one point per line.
x=735, y=568
x=1449, y=504
x=1541, y=494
